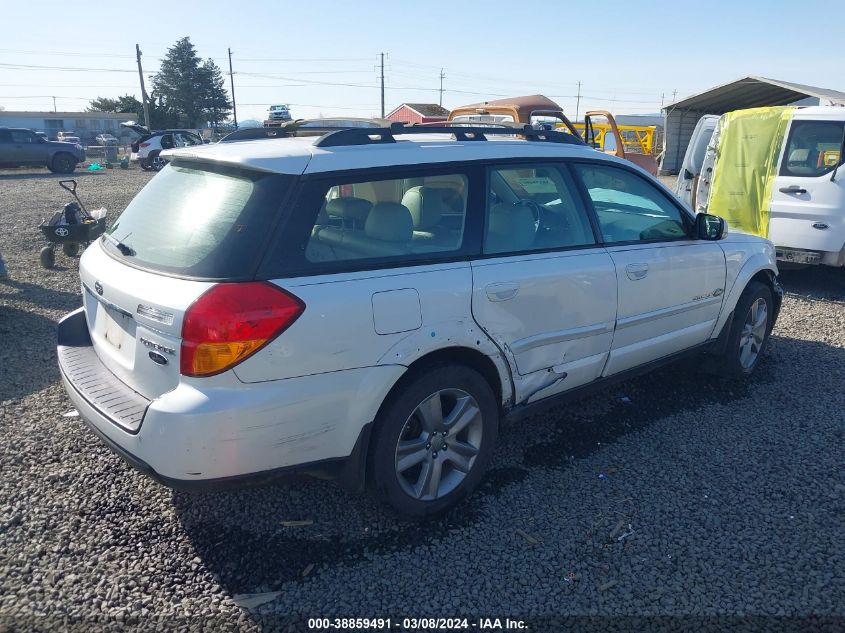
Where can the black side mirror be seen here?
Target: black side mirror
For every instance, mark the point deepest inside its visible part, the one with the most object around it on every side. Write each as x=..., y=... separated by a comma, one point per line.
x=710, y=227
x=688, y=175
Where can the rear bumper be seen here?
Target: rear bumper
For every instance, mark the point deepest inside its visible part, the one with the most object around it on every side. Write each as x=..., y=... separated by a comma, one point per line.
x=201, y=439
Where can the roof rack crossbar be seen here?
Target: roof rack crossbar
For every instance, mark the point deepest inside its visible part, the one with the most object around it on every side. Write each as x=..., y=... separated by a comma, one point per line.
x=368, y=136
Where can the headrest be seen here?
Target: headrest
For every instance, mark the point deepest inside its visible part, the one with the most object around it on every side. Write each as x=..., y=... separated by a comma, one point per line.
x=389, y=222
x=355, y=209
x=511, y=228
x=426, y=205
x=798, y=156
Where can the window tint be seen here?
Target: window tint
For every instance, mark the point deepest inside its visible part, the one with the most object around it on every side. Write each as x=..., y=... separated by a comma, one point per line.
x=814, y=148
x=22, y=136
x=204, y=221
x=628, y=207
x=534, y=207
x=390, y=218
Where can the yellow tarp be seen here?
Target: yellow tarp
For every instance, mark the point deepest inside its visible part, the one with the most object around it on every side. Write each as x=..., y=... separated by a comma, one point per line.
x=746, y=166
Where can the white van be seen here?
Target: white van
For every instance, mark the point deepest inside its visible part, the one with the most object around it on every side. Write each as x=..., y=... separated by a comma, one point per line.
x=806, y=207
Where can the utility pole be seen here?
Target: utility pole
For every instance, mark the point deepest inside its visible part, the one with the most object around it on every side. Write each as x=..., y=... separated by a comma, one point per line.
x=382, y=85
x=143, y=89
x=674, y=92
x=442, y=77
x=662, y=97
x=232, y=80
x=578, y=102
x=54, y=105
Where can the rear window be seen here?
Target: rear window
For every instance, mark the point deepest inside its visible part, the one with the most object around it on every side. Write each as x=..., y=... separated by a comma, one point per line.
x=199, y=221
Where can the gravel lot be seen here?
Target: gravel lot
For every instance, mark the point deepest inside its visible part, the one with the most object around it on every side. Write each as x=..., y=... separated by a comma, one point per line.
x=675, y=495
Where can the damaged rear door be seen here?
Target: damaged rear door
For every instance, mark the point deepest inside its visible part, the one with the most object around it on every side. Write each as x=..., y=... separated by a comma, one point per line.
x=544, y=290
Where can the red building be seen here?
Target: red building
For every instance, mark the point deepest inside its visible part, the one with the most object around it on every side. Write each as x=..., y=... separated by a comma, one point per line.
x=419, y=113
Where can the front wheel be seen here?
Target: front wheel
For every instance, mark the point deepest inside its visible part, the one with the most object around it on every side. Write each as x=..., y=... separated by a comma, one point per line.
x=750, y=329
x=434, y=439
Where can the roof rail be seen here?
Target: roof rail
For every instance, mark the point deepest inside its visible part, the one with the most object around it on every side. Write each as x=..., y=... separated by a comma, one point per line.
x=460, y=131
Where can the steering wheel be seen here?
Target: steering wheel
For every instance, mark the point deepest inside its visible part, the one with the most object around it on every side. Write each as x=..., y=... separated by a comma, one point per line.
x=536, y=211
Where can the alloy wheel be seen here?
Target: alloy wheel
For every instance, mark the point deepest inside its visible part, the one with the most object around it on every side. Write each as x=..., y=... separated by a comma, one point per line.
x=439, y=444
x=753, y=333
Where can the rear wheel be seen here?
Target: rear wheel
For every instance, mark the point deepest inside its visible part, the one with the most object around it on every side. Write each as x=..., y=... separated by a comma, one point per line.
x=434, y=440
x=156, y=161
x=47, y=257
x=71, y=249
x=750, y=329
x=63, y=164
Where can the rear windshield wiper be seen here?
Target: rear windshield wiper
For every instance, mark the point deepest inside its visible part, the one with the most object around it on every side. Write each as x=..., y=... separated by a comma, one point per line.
x=123, y=248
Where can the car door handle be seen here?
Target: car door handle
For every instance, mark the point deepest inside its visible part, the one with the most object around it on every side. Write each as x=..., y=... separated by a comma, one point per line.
x=792, y=189
x=636, y=271
x=502, y=291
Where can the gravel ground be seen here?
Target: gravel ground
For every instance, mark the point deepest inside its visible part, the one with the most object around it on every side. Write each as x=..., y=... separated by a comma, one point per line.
x=678, y=498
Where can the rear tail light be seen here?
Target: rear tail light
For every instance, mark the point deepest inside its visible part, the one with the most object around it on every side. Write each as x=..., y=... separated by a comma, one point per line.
x=145, y=144
x=230, y=322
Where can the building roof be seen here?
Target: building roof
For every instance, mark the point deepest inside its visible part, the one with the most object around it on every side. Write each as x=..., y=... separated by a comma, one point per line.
x=424, y=109
x=752, y=92
x=76, y=115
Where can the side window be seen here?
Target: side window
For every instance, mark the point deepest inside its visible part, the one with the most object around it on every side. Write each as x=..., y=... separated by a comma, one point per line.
x=628, y=207
x=167, y=141
x=814, y=148
x=534, y=207
x=22, y=136
x=400, y=217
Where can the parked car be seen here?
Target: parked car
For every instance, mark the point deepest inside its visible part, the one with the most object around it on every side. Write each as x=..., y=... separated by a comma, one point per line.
x=106, y=139
x=68, y=137
x=278, y=113
x=20, y=147
x=147, y=148
x=786, y=162
x=369, y=304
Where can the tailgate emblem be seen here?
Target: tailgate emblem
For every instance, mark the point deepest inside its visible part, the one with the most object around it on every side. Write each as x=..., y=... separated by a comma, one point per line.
x=158, y=358
x=98, y=287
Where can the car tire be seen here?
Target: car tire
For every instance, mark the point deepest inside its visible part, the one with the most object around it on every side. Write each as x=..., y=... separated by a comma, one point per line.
x=156, y=162
x=442, y=423
x=47, y=256
x=63, y=163
x=71, y=249
x=749, y=333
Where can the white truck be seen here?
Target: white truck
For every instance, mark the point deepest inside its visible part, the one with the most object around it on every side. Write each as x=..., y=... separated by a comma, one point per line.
x=793, y=174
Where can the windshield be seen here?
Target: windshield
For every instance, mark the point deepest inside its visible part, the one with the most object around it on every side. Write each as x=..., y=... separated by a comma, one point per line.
x=199, y=221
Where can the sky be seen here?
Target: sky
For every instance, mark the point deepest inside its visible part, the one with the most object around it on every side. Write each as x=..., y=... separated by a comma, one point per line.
x=323, y=58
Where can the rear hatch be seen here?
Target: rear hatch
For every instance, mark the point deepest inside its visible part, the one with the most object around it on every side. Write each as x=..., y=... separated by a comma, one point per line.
x=191, y=227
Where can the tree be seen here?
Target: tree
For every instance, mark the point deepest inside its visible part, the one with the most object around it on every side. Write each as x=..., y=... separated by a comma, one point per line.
x=161, y=117
x=216, y=104
x=126, y=103
x=181, y=82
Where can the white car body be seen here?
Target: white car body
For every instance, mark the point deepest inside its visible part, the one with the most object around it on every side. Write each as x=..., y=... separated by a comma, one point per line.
x=808, y=225
x=807, y=205
x=543, y=323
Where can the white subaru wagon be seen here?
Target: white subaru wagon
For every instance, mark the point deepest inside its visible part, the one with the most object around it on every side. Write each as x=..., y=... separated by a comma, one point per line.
x=370, y=304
